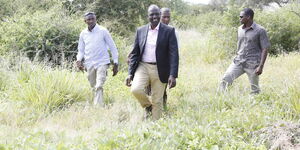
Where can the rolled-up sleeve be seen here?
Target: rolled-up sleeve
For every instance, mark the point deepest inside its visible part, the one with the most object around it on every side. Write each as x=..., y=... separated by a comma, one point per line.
x=81, y=47
x=112, y=46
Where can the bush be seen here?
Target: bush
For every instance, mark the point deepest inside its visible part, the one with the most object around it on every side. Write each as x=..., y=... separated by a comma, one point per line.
x=220, y=29
x=283, y=28
x=124, y=16
x=11, y=7
x=47, y=35
x=220, y=44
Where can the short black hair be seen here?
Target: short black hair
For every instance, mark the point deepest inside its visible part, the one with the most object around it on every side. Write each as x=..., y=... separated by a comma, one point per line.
x=89, y=13
x=152, y=6
x=249, y=12
x=164, y=9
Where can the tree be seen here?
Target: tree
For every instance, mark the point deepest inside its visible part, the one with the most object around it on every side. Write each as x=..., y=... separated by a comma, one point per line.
x=259, y=3
x=221, y=5
x=121, y=17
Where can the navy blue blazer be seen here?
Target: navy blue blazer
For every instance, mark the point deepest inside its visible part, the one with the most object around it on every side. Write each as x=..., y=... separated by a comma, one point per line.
x=167, y=57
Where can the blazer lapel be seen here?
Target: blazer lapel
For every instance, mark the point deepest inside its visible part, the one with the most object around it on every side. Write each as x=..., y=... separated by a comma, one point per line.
x=160, y=35
x=144, y=38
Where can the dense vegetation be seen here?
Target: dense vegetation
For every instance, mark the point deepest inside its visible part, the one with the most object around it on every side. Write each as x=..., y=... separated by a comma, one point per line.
x=44, y=99
x=49, y=29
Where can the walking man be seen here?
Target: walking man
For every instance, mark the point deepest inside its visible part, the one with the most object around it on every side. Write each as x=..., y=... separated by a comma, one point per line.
x=166, y=18
x=153, y=60
x=252, y=52
x=165, y=15
x=93, y=55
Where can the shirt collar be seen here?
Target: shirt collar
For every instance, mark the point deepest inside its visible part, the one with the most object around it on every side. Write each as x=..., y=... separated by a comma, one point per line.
x=253, y=26
x=156, y=28
x=94, y=29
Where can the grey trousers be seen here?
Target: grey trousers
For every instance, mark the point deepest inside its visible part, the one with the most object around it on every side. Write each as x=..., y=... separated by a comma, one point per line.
x=97, y=77
x=234, y=71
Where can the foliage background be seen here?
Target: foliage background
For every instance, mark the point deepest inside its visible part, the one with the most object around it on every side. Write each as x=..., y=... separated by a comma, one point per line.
x=45, y=101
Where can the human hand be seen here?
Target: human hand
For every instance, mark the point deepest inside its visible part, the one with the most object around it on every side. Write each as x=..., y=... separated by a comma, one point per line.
x=171, y=82
x=115, y=69
x=79, y=65
x=259, y=70
x=128, y=81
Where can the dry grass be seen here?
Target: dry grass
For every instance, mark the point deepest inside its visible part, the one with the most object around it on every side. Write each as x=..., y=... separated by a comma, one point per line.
x=197, y=117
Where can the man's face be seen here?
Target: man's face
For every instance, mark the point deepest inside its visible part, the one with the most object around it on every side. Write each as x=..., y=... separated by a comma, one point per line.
x=154, y=16
x=244, y=18
x=90, y=20
x=165, y=18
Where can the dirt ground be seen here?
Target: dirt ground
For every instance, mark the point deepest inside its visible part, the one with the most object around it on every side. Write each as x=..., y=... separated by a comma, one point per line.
x=279, y=136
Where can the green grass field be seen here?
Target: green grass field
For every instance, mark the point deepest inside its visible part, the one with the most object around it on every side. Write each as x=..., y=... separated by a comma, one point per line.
x=42, y=107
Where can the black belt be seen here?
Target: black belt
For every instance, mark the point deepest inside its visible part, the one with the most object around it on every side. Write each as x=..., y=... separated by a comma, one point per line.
x=151, y=63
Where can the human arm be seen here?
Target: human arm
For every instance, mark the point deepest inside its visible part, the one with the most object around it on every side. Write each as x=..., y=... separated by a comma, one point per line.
x=133, y=60
x=114, y=51
x=80, y=54
x=264, y=44
x=173, y=59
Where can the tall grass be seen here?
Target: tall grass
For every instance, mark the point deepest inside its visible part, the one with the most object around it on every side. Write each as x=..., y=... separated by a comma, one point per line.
x=197, y=117
x=42, y=86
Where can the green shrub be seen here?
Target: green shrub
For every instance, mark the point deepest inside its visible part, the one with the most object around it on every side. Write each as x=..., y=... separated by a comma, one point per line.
x=231, y=16
x=124, y=16
x=220, y=43
x=49, y=35
x=11, y=7
x=283, y=27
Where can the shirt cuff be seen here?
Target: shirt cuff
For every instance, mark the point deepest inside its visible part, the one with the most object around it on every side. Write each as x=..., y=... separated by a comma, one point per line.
x=115, y=61
x=79, y=58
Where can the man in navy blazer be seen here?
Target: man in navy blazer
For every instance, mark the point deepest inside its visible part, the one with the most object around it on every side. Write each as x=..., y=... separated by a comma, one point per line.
x=153, y=60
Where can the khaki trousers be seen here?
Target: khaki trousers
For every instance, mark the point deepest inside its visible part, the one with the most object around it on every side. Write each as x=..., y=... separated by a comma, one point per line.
x=97, y=77
x=234, y=71
x=147, y=74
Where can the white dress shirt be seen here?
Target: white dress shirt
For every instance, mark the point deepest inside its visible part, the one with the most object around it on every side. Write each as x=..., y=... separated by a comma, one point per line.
x=93, y=47
x=149, y=54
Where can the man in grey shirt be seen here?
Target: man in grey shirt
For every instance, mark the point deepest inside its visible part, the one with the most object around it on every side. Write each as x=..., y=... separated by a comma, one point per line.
x=252, y=52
